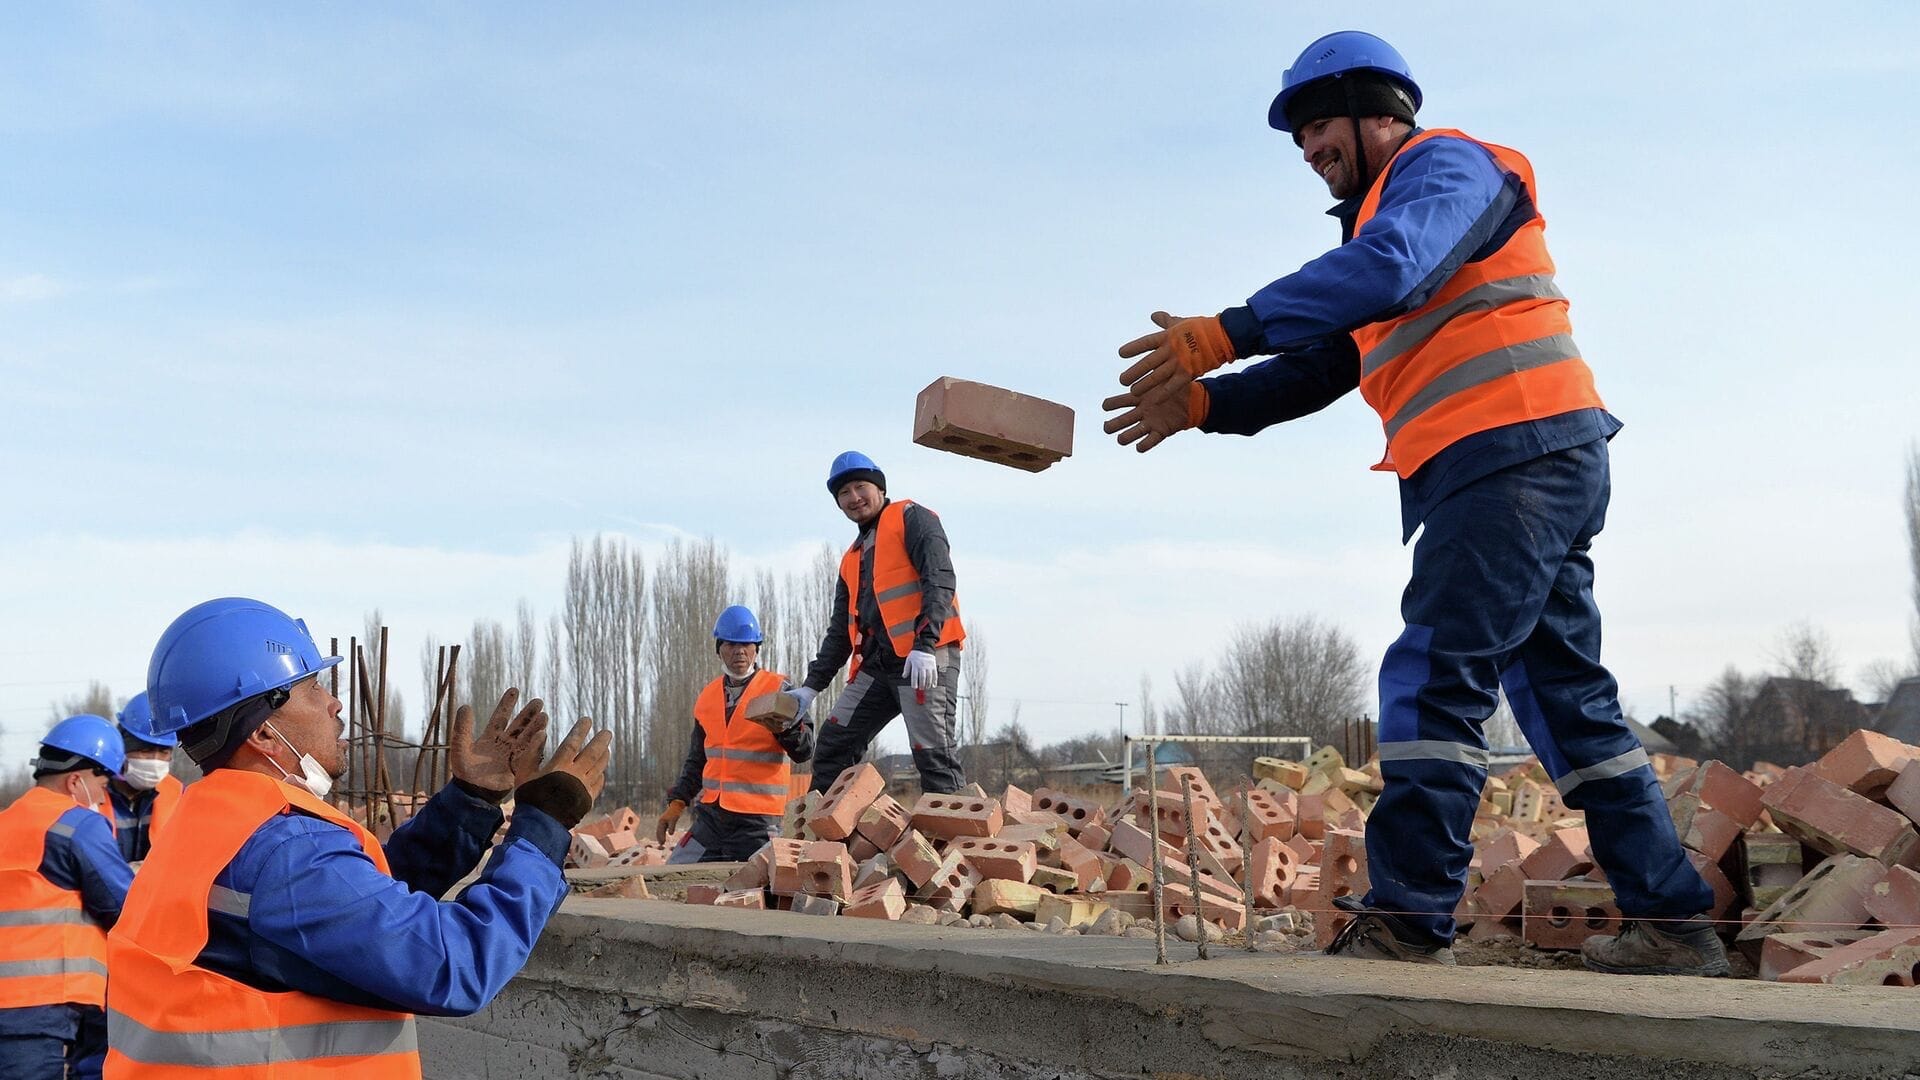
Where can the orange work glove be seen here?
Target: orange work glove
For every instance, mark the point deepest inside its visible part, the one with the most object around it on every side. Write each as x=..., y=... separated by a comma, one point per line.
x=1151, y=423
x=667, y=818
x=1184, y=350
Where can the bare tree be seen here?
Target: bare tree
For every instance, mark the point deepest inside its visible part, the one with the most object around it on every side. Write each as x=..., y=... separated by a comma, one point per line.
x=1728, y=720
x=1912, y=514
x=95, y=699
x=690, y=589
x=605, y=621
x=973, y=686
x=485, y=661
x=1295, y=676
x=1878, y=678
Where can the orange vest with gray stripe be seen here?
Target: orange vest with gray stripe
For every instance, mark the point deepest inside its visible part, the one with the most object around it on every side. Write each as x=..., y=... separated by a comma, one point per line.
x=172, y=1019
x=51, y=951
x=746, y=769
x=896, y=586
x=1493, y=347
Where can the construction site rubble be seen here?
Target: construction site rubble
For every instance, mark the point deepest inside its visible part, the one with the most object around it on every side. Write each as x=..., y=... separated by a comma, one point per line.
x=1815, y=869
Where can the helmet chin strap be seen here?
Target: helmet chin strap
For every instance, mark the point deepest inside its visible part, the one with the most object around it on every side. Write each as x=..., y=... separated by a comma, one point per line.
x=1359, y=142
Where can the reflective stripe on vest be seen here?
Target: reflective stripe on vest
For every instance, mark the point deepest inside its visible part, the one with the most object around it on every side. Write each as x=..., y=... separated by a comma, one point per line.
x=51, y=951
x=1493, y=347
x=746, y=771
x=896, y=586
x=169, y=1013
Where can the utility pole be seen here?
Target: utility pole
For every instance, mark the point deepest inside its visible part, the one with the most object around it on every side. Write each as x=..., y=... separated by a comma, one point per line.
x=1123, y=718
x=1673, y=703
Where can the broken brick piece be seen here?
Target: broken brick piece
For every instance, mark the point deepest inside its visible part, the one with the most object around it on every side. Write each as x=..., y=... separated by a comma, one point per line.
x=1865, y=762
x=882, y=900
x=1564, y=855
x=703, y=893
x=755, y=899
x=1833, y=819
x=804, y=904
x=1896, y=900
x=1830, y=898
x=1781, y=953
x=1001, y=896
x=1015, y=801
x=1888, y=958
x=826, y=869
x=1724, y=790
x=992, y=424
x=1770, y=864
x=1904, y=792
x=1070, y=910
x=883, y=822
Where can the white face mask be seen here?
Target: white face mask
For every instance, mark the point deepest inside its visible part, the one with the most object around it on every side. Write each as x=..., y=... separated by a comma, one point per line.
x=312, y=776
x=145, y=774
x=101, y=806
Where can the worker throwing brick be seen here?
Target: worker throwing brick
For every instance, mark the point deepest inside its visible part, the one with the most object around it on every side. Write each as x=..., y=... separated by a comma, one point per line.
x=62, y=884
x=271, y=934
x=1440, y=306
x=738, y=769
x=896, y=616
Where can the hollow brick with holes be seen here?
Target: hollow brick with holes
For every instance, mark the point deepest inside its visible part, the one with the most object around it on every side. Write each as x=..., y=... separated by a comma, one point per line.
x=1564, y=855
x=845, y=800
x=992, y=424
x=1273, y=870
x=950, y=817
x=1888, y=958
x=881, y=900
x=1833, y=819
x=951, y=885
x=1563, y=914
x=826, y=869
x=783, y=866
x=1077, y=813
x=997, y=859
x=1273, y=815
x=1781, y=953
x=1343, y=866
x=1832, y=896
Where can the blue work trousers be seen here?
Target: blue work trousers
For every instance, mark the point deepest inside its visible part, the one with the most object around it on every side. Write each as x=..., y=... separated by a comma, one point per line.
x=53, y=1042
x=1501, y=597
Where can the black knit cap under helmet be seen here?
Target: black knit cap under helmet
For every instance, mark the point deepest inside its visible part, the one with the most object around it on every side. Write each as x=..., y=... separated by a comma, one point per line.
x=1359, y=93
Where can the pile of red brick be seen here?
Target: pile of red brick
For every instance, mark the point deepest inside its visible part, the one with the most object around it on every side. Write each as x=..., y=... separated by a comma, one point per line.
x=1812, y=868
x=615, y=840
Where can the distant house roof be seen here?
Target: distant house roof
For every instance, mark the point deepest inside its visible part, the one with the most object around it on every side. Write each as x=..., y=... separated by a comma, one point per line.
x=1900, y=716
x=1655, y=742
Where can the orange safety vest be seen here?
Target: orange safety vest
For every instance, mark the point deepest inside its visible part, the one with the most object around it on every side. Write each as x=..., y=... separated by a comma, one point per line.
x=746, y=771
x=170, y=1018
x=896, y=586
x=51, y=950
x=166, y=799
x=1493, y=347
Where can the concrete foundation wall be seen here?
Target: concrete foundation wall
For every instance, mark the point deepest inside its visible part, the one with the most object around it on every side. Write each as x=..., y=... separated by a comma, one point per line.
x=638, y=990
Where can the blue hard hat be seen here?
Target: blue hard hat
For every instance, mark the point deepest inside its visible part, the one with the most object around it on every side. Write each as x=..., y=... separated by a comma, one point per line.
x=137, y=719
x=223, y=652
x=847, y=465
x=92, y=737
x=737, y=624
x=1335, y=55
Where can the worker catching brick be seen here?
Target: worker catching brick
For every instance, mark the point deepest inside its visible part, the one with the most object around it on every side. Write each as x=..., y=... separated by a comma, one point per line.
x=1440, y=307
x=897, y=617
x=746, y=733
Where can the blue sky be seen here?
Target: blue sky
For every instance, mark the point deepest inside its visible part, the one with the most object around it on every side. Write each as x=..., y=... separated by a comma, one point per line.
x=376, y=306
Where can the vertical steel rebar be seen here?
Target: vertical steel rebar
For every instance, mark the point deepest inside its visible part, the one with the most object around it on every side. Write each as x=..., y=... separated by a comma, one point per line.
x=1246, y=864
x=1193, y=866
x=1152, y=816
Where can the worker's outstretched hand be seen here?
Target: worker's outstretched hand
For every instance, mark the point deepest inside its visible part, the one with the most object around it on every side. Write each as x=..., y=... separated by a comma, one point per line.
x=566, y=787
x=1149, y=424
x=583, y=756
x=507, y=752
x=1172, y=357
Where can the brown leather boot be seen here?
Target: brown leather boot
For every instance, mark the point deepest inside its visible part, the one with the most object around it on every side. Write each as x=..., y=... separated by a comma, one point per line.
x=1376, y=935
x=1690, y=947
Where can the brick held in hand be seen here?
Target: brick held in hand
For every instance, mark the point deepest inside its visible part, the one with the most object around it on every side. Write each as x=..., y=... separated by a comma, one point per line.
x=777, y=710
x=992, y=424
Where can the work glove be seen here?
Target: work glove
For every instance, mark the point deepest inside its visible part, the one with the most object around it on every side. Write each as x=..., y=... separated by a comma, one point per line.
x=667, y=819
x=804, y=696
x=566, y=787
x=1151, y=424
x=507, y=753
x=922, y=672
x=1184, y=350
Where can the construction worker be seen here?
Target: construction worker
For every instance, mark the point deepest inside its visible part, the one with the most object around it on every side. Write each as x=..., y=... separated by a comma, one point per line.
x=146, y=791
x=895, y=614
x=62, y=883
x=1440, y=306
x=283, y=938
x=737, y=769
